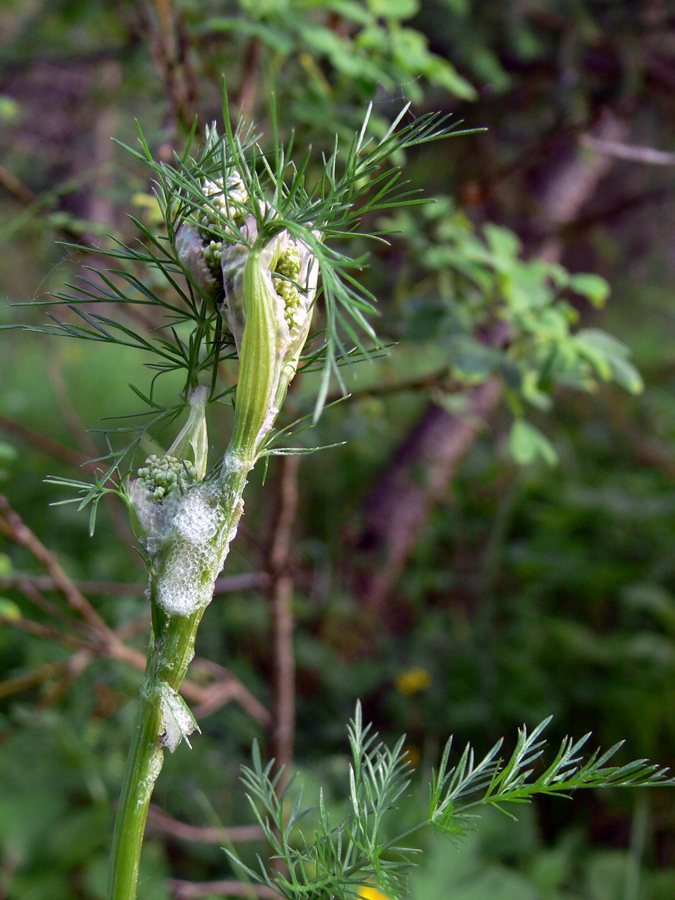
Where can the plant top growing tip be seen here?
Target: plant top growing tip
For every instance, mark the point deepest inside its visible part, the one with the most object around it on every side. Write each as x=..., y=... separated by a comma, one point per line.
x=225, y=207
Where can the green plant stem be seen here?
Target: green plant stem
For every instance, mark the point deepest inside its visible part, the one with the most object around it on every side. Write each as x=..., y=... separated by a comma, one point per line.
x=170, y=653
x=144, y=764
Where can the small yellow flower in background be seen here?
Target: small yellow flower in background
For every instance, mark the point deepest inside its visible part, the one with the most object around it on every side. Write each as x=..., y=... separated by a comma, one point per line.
x=370, y=892
x=149, y=204
x=413, y=755
x=412, y=681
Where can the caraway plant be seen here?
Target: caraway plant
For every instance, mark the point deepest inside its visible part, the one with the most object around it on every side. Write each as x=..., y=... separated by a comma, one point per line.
x=253, y=251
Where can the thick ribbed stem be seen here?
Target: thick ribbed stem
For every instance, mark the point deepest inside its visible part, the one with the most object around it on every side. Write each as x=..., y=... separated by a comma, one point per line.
x=171, y=650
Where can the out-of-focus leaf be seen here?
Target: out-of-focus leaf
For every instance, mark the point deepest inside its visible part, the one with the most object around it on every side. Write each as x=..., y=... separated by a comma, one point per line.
x=612, y=357
x=394, y=9
x=591, y=286
x=527, y=444
x=9, y=609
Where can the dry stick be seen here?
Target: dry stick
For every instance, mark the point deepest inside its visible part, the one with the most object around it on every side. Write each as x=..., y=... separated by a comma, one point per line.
x=15, y=187
x=171, y=54
x=209, y=698
x=191, y=890
x=249, y=81
x=104, y=641
x=24, y=536
x=228, y=583
x=20, y=683
x=41, y=442
x=282, y=619
x=163, y=822
x=75, y=666
x=30, y=590
x=38, y=629
x=647, y=155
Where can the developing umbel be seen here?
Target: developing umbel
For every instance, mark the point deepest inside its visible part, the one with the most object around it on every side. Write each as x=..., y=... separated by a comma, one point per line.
x=261, y=278
x=215, y=254
x=166, y=476
x=199, y=248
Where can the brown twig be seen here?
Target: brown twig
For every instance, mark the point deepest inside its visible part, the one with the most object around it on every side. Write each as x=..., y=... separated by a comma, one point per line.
x=170, y=49
x=30, y=590
x=103, y=640
x=210, y=697
x=250, y=77
x=282, y=618
x=74, y=667
x=203, y=834
x=191, y=890
x=20, y=683
x=15, y=187
x=41, y=442
x=229, y=583
x=646, y=155
x=40, y=629
x=223, y=689
x=19, y=532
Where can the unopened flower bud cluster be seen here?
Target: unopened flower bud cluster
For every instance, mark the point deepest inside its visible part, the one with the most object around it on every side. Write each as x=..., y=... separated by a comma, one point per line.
x=167, y=476
x=227, y=202
x=289, y=265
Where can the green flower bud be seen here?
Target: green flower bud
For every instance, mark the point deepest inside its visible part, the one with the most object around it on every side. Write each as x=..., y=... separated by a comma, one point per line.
x=190, y=251
x=162, y=482
x=165, y=476
x=199, y=248
x=276, y=314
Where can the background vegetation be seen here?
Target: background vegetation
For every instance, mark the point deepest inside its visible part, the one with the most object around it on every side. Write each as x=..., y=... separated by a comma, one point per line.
x=494, y=541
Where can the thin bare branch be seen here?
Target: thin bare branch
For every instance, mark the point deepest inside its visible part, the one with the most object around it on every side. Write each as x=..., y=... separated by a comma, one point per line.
x=282, y=618
x=104, y=641
x=190, y=890
x=15, y=187
x=228, y=584
x=20, y=533
x=210, y=698
x=225, y=688
x=34, y=678
x=42, y=443
x=250, y=79
x=39, y=629
x=170, y=48
x=204, y=834
x=646, y=155
x=30, y=590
